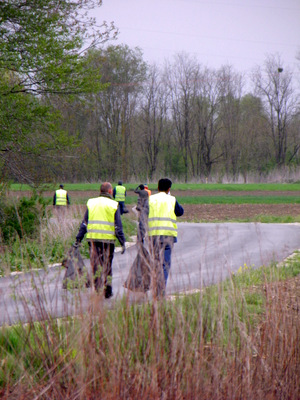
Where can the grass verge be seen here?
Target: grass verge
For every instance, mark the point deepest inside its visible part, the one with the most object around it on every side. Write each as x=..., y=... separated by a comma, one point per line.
x=236, y=340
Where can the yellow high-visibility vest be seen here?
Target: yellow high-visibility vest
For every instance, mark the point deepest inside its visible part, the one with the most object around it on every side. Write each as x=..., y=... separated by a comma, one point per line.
x=101, y=223
x=120, y=193
x=162, y=218
x=61, y=197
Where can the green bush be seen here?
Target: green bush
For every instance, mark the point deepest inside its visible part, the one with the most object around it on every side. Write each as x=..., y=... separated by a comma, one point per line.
x=21, y=219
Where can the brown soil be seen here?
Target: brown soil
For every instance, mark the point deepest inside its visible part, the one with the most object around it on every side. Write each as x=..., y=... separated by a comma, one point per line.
x=223, y=212
x=215, y=212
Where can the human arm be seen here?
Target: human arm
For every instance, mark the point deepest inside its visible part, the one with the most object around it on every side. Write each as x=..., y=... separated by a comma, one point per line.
x=83, y=227
x=54, y=199
x=137, y=190
x=114, y=193
x=178, y=209
x=68, y=199
x=119, y=228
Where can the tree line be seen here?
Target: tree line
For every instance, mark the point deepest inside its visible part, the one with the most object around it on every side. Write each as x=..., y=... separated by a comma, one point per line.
x=106, y=114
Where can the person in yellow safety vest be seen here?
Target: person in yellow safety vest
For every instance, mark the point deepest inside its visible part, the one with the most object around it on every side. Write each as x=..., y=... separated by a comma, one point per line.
x=162, y=231
x=61, y=197
x=119, y=194
x=102, y=225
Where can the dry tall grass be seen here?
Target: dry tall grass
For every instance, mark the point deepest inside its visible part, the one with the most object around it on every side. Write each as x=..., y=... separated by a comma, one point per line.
x=205, y=346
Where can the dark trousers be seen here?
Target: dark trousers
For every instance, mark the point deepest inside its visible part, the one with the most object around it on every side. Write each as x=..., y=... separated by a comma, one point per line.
x=101, y=257
x=161, y=250
x=123, y=209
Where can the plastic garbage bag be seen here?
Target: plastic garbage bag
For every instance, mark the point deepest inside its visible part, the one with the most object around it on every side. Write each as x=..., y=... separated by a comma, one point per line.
x=76, y=274
x=139, y=276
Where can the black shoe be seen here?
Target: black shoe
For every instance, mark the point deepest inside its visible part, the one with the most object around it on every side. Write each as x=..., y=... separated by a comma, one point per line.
x=108, y=292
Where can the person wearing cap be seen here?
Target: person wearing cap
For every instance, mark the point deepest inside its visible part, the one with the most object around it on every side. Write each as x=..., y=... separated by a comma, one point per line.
x=102, y=225
x=162, y=230
x=61, y=197
x=119, y=194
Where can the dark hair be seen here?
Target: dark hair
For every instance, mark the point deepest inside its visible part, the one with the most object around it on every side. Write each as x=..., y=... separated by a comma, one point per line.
x=164, y=184
x=61, y=186
x=142, y=187
x=120, y=183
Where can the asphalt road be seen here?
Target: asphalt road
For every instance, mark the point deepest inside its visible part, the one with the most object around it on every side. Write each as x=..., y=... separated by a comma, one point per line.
x=205, y=254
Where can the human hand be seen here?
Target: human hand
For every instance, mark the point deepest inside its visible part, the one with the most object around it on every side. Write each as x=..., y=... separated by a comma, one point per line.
x=123, y=249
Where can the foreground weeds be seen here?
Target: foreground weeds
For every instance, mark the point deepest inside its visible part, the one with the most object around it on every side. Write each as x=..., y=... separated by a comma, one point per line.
x=237, y=340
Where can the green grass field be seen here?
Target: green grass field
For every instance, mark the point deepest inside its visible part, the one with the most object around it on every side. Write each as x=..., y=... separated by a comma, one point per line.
x=179, y=186
x=186, y=197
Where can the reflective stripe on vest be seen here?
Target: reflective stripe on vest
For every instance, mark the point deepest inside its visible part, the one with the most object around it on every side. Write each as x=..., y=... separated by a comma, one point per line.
x=101, y=223
x=61, y=197
x=120, y=193
x=162, y=218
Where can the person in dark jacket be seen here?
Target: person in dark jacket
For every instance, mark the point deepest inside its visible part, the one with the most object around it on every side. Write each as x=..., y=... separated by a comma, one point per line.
x=102, y=224
x=162, y=230
x=119, y=194
x=61, y=197
x=142, y=208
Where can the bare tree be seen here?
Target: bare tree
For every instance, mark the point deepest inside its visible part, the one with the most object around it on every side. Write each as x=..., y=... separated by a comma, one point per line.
x=114, y=109
x=182, y=77
x=230, y=87
x=206, y=110
x=274, y=85
x=152, y=119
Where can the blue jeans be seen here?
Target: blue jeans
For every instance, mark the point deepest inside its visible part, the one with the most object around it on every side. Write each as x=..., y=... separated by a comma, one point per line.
x=167, y=262
x=123, y=209
x=161, y=251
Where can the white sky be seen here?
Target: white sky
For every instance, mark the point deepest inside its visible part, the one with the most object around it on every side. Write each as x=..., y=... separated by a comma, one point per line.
x=217, y=32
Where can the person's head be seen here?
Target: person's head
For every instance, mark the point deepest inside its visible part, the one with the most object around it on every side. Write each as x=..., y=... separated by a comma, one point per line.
x=142, y=187
x=120, y=183
x=106, y=188
x=164, y=185
x=145, y=186
x=61, y=186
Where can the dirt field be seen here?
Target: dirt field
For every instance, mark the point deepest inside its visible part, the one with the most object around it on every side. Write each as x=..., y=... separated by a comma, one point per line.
x=224, y=212
x=215, y=212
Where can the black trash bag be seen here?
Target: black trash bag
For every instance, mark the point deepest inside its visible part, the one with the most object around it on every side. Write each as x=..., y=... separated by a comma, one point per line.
x=139, y=277
x=76, y=274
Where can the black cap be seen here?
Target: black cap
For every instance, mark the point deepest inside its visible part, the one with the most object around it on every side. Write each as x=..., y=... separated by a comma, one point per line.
x=61, y=186
x=120, y=183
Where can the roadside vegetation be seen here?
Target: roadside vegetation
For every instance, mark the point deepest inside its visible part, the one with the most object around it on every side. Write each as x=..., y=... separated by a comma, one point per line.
x=33, y=235
x=237, y=339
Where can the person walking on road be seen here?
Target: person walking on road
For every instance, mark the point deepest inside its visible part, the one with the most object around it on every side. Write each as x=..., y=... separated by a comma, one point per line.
x=119, y=194
x=61, y=197
x=102, y=225
x=142, y=208
x=162, y=230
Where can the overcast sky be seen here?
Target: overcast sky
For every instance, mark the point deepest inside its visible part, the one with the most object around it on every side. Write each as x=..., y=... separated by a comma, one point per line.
x=217, y=32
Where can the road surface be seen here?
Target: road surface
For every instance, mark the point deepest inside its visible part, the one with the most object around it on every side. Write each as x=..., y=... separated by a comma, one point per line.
x=205, y=254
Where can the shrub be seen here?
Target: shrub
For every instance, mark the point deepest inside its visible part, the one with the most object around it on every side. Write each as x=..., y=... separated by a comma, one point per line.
x=21, y=219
